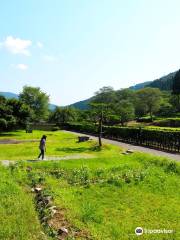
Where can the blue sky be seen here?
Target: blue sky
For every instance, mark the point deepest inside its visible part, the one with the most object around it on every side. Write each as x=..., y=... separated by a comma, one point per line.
x=71, y=48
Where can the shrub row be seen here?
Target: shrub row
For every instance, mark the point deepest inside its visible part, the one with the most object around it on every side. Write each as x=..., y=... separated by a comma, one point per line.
x=165, y=140
x=168, y=122
x=82, y=127
x=7, y=125
x=42, y=126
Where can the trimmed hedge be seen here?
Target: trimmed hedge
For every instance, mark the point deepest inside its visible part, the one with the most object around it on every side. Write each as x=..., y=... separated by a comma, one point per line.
x=168, y=122
x=82, y=127
x=41, y=126
x=164, y=140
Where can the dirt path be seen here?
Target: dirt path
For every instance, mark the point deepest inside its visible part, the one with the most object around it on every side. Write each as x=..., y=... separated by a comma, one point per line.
x=174, y=156
x=15, y=141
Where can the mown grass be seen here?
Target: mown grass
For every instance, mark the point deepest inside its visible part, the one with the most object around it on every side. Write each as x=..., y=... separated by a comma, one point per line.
x=18, y=219
x=108, y=195
x=59, y=144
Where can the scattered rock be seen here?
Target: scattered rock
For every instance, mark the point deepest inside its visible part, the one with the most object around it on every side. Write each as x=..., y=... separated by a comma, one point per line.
x=83, y=138
x=52, y=207
x=38, y=189
x=63, y=231
x=53, y=218
x=125, y=153
x=53, y=211
x=48, y=201
x=40, y=204
x=48, y=198
x=44, y=219
x=130, y=151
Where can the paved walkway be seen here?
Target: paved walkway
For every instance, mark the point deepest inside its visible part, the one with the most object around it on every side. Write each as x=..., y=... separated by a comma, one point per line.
x=174, y=156
x=7, y=163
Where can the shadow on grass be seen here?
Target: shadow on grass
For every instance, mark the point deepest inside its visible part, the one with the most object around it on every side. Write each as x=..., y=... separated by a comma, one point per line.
x=7, y=134
x=36, y=160
x=79, y=149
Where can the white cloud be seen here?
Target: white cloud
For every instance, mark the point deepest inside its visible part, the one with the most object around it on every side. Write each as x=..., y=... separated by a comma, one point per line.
x=22, y=66
x=17, y=45
x=49, y=58
x=40, y=45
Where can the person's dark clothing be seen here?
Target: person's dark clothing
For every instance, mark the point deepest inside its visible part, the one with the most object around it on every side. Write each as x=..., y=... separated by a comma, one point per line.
x=42, y=147
x=41, y=154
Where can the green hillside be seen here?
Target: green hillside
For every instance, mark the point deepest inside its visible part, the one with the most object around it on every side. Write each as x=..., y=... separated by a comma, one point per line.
x=163, y=83
x=140, y=85
x=9, y=95
x=82, y=105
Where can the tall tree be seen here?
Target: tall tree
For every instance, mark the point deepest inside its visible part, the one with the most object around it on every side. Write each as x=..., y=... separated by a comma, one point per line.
x=176, y=90
x=151, y=99
x=20, y=111
x=37, y=101
x=125, y=111
x=62, y=115
x=100, y=104
x=13, y=113
x=105, y=95
x=125, y=94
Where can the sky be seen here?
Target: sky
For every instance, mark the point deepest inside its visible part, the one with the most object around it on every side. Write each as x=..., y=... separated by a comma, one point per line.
x=72, y=48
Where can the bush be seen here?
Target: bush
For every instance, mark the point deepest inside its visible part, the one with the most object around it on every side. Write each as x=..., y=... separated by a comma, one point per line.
x=56, y=128
x=82, y=127
x=168, y=122
x=7, y=124
x=11, y=124
x=3, y=124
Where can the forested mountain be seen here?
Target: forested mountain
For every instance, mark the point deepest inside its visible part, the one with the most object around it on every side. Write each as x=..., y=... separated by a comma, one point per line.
x=9, y=95
x=140, y=85
x=163, y=83
x=82, y=105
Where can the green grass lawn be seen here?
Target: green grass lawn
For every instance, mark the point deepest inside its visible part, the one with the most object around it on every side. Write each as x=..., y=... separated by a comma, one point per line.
x=111, y=197
x=59, y=144
x=107, y=195
x=163, y=128
x=18, y=219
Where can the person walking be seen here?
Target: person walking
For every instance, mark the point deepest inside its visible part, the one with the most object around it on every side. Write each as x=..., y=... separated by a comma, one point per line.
x=42, y=146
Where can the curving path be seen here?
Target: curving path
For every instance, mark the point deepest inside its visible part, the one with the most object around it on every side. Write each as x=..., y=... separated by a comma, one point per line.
x=174, y=156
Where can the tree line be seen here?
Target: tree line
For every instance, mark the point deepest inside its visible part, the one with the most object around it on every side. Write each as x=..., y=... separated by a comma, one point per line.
x=107, y=106
x=32, y=106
